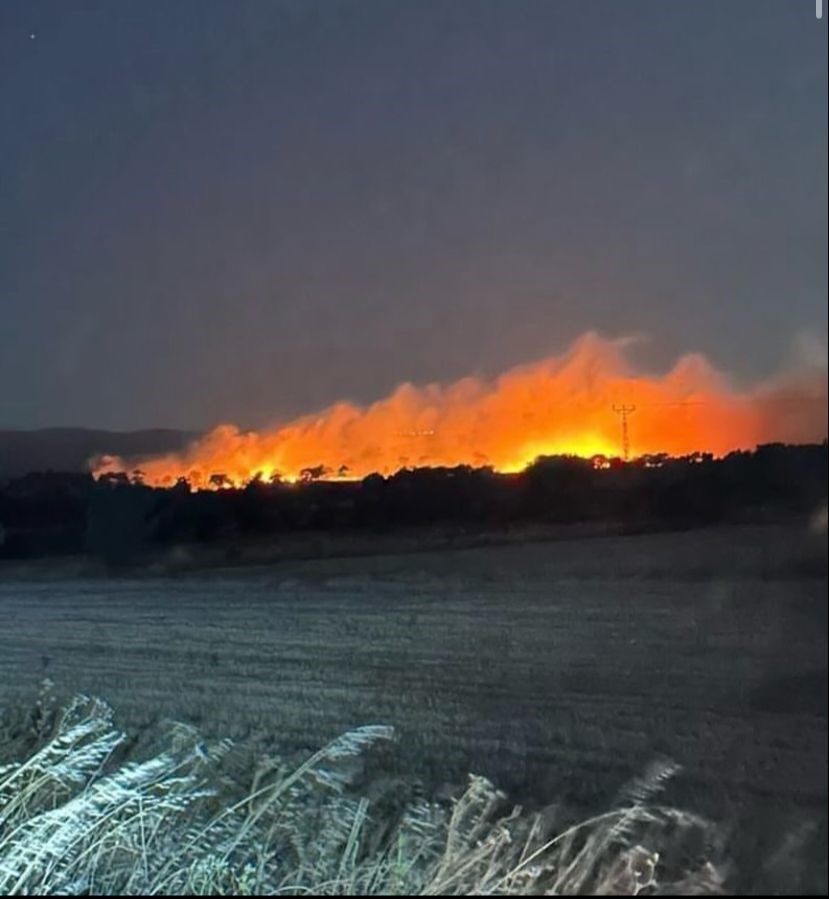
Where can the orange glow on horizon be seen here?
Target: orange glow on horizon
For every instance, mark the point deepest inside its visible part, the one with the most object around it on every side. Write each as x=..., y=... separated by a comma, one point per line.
x=559, y=405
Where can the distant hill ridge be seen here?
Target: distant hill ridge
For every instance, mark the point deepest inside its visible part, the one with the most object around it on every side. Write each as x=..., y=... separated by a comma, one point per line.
x=69, y=449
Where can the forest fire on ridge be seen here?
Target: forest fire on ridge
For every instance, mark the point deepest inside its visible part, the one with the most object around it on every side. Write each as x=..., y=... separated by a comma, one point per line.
x=588, y=401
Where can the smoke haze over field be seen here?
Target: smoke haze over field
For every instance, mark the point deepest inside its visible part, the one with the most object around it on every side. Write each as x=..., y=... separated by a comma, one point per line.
x=561, y=404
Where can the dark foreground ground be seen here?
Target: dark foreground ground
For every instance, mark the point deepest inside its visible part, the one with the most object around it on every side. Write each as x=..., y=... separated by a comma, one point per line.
x=558, y=669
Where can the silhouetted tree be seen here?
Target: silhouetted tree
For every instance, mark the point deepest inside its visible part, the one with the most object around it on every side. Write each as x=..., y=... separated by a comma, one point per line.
x=118, y=518
x=313, y=473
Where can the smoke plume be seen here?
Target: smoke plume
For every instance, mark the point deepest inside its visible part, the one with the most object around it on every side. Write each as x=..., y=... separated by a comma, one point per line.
x=561, y=404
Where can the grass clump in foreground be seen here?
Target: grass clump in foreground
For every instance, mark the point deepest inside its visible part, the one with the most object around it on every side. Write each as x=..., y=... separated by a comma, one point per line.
x=77, y=816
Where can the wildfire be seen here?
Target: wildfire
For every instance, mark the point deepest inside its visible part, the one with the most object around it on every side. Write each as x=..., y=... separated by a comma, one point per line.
x=568, y=404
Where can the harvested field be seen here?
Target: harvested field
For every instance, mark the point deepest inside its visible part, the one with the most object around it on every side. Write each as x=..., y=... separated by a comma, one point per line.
x=558, y=669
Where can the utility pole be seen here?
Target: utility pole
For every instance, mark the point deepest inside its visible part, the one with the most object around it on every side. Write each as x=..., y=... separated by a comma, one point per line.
x=623, y=411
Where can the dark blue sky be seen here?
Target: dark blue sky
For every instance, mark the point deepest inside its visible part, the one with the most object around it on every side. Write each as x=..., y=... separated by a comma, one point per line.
x=245, y=210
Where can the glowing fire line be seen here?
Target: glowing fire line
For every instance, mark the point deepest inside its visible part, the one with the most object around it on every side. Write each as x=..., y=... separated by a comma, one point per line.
x=559, y=405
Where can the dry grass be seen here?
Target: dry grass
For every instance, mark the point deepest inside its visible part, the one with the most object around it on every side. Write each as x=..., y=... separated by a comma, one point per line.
x=78, y=816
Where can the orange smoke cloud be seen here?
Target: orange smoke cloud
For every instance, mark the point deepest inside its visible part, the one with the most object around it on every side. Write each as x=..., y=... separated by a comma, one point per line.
x=561, y=404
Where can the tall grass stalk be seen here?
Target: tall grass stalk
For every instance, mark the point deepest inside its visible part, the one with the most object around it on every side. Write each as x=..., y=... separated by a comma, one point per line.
x=77, y=816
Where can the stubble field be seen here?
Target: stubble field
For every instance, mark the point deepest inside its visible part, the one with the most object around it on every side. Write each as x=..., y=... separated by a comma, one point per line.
x=558, y=669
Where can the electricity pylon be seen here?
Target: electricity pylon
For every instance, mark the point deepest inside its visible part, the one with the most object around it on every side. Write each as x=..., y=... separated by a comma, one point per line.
x=623, y=411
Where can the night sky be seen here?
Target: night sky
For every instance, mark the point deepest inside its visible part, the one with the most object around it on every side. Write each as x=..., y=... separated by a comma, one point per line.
x=247, y=210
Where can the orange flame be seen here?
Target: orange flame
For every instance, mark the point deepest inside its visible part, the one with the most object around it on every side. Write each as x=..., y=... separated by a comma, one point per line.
x=561, y=404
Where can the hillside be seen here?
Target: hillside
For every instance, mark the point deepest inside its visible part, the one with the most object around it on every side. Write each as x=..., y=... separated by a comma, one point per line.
x=69, y=449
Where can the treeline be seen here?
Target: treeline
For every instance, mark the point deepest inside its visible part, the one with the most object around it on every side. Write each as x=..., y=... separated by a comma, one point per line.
x=119, y=519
